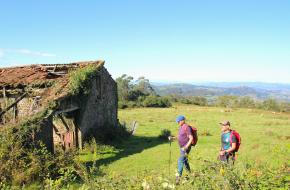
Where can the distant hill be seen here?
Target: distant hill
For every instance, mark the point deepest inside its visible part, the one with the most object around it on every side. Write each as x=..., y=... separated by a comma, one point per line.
x=212, y=89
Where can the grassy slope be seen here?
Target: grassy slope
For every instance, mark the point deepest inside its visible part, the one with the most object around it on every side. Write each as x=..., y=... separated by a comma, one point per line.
x=265, y=139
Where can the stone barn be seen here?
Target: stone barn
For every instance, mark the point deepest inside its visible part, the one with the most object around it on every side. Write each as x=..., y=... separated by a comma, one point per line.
x=77, y=97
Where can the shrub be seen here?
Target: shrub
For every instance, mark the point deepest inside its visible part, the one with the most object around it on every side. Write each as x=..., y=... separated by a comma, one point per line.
x=227, y=101
x=122, y=105
x=205, y=133
x=271, y=104
x=199, y=100
x=156, y=101
x=165, y=133
x=20, y=165
x=80, y=80
x=211, y=176
x=24, y=161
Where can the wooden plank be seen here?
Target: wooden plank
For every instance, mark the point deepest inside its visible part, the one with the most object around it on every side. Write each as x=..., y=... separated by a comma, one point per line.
x=56, y=131
x=64, y=122
x=60, y=73
x=5, y=103
x=59, y=66
x=14, y=113
x=13, y=104
x=67, y=110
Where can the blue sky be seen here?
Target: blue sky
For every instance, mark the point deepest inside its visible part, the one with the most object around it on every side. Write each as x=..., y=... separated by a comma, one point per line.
x=163, y=40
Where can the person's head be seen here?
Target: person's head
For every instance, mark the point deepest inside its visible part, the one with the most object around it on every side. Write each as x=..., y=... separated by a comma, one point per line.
x=180, y=120
x=225, y=125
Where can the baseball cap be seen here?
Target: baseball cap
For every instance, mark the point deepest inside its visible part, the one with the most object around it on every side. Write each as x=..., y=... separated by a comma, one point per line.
x=224, y=123
x=180, y=118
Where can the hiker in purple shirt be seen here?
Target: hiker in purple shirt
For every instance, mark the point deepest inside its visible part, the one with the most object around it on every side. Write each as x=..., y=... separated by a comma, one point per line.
x=185, y=138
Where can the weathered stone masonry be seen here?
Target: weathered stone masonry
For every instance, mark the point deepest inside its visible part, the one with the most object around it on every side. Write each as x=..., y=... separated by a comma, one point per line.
x=74, y=118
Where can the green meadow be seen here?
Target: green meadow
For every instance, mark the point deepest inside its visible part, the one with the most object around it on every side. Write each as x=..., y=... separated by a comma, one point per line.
x=144, y=157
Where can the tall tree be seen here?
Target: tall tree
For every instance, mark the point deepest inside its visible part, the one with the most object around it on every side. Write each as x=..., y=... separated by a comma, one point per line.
x=125, y=86
x=143, y=85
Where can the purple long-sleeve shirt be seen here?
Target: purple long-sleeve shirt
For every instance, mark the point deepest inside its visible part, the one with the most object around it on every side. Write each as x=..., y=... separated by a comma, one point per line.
x=183, y=135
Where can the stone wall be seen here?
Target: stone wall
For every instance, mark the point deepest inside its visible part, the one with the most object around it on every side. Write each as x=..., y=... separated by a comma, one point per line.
x=45, y=134
x=101, y=105
x=25, y=107
x=98, y=109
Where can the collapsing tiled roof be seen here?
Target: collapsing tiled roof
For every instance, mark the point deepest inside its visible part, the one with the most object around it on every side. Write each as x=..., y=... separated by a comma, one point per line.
x=37, y=74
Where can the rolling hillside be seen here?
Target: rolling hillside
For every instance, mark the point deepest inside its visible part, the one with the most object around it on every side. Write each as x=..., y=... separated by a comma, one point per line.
x=256, y=90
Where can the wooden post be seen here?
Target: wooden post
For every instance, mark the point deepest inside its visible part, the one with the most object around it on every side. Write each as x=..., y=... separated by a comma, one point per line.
x=5, y=103
x=0, y=116
x=13, y=104
x=14, y=113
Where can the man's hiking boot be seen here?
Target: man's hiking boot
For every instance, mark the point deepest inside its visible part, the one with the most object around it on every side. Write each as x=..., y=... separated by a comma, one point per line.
x=177, y=180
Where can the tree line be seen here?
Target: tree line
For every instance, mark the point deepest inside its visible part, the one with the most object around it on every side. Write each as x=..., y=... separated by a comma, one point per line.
x=228, y=101
x=140, y=93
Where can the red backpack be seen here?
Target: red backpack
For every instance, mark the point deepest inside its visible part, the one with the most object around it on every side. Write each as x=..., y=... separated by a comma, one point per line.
x=194, y=134
x=238, y=137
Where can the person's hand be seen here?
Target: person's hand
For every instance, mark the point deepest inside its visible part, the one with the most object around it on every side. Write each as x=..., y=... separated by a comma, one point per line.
x=222, y=152
x=183, y=148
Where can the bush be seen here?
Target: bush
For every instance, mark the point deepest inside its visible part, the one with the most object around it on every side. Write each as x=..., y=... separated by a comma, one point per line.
x=211, y=176
x=24, y=161
x=271, y=104
x=156, y=101
x=199, y=100
x=23, y=166
x=205, y=133
x=165, y=133
x=195, y=100
x=80, y=80
x=246, y=102
x=122, y=105
x=227, y=101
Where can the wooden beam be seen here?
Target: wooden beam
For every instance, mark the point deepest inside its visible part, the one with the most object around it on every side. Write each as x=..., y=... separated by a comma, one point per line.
x=13, y=104
x=60, y=73
x=56, y=131
x=64, y=122
x=14, y=113
x=5, y=103
x=67, y=110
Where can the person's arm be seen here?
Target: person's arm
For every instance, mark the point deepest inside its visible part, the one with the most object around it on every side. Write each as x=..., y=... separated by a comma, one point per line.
x=188, y=143
x=233, y=147
x=171, y=137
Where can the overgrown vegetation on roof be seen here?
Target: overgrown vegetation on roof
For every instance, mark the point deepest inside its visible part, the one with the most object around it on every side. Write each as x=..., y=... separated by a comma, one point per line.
x=80, y=79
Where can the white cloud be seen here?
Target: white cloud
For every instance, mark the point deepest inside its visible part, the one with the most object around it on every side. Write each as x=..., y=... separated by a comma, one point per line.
x=26, y=52
x=30, y=52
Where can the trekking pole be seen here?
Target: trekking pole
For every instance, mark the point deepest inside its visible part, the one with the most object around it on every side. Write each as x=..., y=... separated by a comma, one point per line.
x=169, y=157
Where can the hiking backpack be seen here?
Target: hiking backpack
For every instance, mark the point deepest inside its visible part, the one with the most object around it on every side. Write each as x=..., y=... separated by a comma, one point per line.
x=238, y=137
x=194, y=134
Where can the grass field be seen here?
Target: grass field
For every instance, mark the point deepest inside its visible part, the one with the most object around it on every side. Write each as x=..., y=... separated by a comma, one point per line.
x=265, y=140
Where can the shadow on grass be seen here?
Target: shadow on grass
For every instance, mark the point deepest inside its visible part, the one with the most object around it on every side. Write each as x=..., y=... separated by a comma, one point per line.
x=133, y=145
